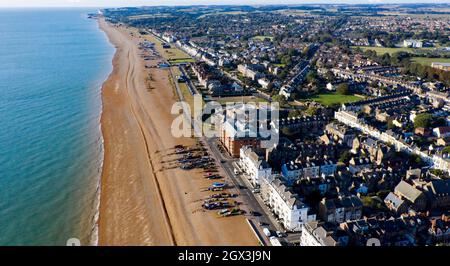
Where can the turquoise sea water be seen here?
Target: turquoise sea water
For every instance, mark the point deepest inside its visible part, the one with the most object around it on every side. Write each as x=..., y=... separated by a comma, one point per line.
x=52, y=65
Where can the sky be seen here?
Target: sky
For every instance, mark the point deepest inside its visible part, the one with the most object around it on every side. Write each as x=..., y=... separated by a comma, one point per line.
x=115, y=3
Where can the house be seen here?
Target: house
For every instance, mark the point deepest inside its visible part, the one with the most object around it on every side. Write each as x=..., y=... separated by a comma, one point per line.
x=438, y=193
x=358, y=164
x=340, y=209
x=264, y=82
x=238, y=128
x=440, y=229
x=400, y=231
x=422, y=131
x=303, y=124
x=330, y=87
x=441, y=66
x=308, y=168
x=253, y=165
x=285, y=205
x=250, y=71
x=286, y=91
x=443, y=141
x=415, y=198
x=441, y=132
x=341, y=132
x=395, y=203
x=321, y=234
x=412, y=43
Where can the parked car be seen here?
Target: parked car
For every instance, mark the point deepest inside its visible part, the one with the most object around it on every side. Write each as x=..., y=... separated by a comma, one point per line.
x=254, y=213
x=274, y=241
x=267, y=231
x=279, y=234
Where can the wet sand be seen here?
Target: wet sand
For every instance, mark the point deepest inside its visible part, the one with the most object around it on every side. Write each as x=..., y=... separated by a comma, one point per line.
x=143, y=201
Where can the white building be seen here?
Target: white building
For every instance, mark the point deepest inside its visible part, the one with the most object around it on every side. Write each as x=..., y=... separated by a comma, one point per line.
x=286, y=91
x=316, y=235
x=291, y=211
x=264, y=82
x=412, y=43
x=254, y=166
x=308, y=169
x=441, y=132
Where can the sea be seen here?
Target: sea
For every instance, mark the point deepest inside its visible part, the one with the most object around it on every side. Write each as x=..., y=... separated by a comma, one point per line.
x=52, y=66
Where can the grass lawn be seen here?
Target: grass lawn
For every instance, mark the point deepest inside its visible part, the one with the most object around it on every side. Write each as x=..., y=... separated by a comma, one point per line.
x=145, y=16
x=172, y=53
x=181, y=60
x=427, y=61
x=185, y=90
x=223, y=13
x=384, y=50
x=238, y=99
x=280, y=65
x=328, y=99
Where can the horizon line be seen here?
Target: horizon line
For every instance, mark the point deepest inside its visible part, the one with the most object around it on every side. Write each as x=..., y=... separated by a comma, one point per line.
x=251, y=5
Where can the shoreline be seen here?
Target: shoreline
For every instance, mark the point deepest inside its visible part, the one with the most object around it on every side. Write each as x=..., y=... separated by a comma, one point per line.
x=117, y=226
x=142, y=201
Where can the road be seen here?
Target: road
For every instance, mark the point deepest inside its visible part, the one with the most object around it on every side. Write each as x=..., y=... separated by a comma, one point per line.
x=250, y=200
x=253, y=201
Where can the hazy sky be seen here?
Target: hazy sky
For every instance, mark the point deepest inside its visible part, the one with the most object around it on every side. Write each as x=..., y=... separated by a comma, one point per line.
x=101, y=3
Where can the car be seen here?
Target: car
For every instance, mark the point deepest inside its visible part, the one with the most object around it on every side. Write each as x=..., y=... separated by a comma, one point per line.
x=256, y=190
x=255, y=213
x=267, y=232
x=279, y=234
x=223, y=161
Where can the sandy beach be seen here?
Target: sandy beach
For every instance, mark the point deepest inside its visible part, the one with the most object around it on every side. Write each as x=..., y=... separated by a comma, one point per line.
x=144, y=202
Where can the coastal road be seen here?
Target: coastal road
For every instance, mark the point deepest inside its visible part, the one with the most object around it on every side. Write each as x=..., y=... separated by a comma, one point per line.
x=252, y=201
x=246, y=195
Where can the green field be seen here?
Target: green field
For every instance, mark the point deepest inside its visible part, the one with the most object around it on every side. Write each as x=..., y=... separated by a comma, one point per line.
x=238, y=99
x=427, y=61
x=145, y=16
x=181, y=60
x=172, y=54
x=223, y=13
x=280, y=65
x=384, y=50
x=328, y=99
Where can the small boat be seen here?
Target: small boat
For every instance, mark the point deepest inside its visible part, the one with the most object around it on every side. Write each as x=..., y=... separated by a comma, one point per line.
x=219, y=185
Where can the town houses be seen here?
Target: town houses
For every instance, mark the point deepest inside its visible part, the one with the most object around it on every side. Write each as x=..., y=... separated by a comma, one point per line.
x=361, y=135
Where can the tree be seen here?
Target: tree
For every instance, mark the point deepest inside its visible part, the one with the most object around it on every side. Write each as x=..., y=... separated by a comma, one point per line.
x=289, y=132
x=446, y=149
x=311, y=111
x=345, y=157
x=342, y=88
x=294, y=113
x=280, y=98
x=311, y=77
x=423, y=120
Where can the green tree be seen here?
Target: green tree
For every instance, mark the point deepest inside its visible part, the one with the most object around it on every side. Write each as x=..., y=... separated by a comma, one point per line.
x=343, y=89
x=345, y=157
x=423, y=120
x=311, y=77
x=294, y=113
x=446, y=149
x=280, y=98
x=311, y=111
